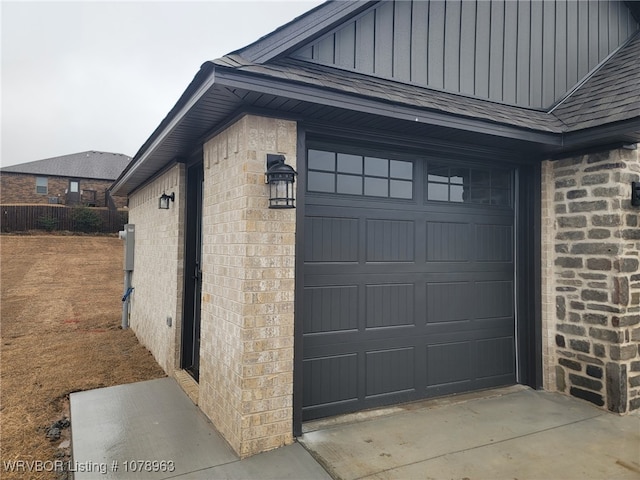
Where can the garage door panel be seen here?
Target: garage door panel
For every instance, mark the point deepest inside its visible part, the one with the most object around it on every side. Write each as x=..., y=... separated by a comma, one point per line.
x=330, y=308
x=329, y=239
x=494, y=299
x=390, y=371
x=448, y=242
x=476, y=363
x=494, y=243
x=322, y=385
x=448, y=363
x=389, y=305
x=449, y=302
x=494, y=355
x=390, y=241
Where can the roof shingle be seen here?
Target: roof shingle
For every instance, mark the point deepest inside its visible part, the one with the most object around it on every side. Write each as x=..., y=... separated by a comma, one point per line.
x=611, y=94
x=396, y=92
x=90, y=164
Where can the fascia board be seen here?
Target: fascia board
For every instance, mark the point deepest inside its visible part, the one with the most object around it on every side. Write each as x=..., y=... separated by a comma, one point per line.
x=401, y=112
x=626, y=128
x=170, y=127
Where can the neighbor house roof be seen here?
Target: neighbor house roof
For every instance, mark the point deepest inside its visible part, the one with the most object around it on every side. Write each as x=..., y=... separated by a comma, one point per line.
x=603, y=108
x=91, y=164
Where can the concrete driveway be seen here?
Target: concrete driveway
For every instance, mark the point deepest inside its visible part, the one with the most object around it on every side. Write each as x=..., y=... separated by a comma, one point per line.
x=512, y=433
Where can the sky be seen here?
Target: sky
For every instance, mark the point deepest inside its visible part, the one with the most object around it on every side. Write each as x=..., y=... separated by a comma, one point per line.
x=101, y=75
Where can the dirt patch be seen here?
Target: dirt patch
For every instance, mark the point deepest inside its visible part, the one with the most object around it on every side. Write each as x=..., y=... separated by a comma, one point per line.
x=60, y=333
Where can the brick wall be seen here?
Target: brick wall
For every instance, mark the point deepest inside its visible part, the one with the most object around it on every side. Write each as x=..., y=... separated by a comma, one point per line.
x=591, y=287
x=158, y=269
x=246, y=357
x=18, y=188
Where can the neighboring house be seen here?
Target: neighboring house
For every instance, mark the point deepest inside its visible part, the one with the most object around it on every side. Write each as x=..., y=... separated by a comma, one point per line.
x=463, y=215
x=77, y=179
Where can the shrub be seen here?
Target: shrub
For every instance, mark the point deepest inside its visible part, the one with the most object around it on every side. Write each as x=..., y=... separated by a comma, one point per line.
x=86, y=220
x=47, y=223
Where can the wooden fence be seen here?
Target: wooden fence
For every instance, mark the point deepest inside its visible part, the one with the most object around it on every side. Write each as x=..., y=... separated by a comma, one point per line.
x=21, y=218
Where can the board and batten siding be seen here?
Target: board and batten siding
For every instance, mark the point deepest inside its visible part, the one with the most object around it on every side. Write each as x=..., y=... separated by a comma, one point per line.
x=525, y=53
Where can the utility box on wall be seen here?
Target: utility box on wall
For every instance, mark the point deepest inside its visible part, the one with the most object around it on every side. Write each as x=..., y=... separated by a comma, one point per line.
x=128, y=235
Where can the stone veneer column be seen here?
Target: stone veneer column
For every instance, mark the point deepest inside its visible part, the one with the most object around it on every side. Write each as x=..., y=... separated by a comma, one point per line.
x=591, y=244
x=246, y=356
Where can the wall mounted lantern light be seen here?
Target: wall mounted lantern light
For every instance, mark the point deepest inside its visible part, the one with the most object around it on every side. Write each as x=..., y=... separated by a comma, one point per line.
x=280, y=178
x=635, y=194
x=164, y=201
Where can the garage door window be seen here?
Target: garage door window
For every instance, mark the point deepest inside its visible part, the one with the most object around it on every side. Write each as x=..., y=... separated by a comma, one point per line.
x=348, y=174
x=468, y=185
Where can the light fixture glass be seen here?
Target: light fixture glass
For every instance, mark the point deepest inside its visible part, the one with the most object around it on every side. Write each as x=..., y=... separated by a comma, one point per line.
x=281, y=178
x=164, y=201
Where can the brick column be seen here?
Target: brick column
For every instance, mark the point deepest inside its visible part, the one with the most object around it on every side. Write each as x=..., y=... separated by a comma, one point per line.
x=246, y=356
x=595, y=237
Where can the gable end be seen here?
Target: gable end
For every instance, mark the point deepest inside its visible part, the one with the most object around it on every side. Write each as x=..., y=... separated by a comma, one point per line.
x=524, y=53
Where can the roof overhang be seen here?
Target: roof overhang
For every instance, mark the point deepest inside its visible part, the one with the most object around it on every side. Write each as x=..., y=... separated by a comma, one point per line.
x=218, y=94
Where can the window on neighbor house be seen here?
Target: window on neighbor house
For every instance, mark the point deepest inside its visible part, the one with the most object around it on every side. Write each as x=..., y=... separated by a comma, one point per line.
x=42, y=185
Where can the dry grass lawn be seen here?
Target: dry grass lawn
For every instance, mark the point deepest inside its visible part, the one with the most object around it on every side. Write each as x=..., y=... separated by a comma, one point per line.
x=60, y=333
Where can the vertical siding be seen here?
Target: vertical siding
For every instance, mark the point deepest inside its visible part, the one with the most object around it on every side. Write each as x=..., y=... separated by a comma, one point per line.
x=345, y=46
x=560, y=66
x=383, y=44
x=365, y=36
x=402, y=41
x=510, y=54
x=467, y=47
x=523, y=41
x=535, y=54
x=572, y=43
x=483, y=51
x=528, y=53
x=452, y=46
x=497, y=64
x=435, y=45
x=419, y=36
x=583, y=38
x=547, y=85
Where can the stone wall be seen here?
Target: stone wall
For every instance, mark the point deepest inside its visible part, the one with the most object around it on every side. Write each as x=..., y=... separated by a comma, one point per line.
x=246, y=356
x=158, y=268
x=19, y=188
x=591, y=278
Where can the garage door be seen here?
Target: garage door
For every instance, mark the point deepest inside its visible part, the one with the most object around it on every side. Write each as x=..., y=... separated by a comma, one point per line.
x=408, y=279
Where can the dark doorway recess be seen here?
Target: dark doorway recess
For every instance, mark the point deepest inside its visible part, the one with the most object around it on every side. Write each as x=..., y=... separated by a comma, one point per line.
x=190, y=360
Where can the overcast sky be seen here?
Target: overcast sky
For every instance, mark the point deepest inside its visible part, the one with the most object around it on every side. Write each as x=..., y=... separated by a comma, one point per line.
x=89, y=75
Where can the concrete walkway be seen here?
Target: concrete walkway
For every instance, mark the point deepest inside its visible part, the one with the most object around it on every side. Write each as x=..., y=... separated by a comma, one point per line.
x=115, y=430
x=505, y=433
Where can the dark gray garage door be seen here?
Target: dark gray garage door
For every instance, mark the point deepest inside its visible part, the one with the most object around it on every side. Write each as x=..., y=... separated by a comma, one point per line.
x=408, y=280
